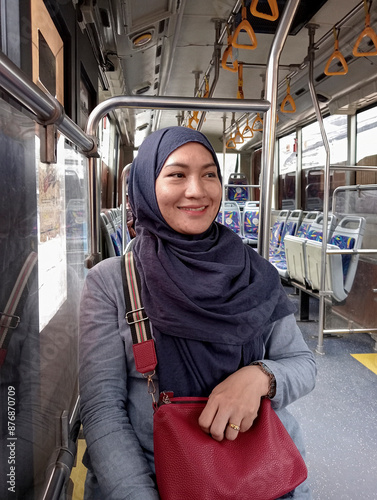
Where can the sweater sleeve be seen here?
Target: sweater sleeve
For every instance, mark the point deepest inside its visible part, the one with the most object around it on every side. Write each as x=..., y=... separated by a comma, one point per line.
x=116, y=455
x=291, y=361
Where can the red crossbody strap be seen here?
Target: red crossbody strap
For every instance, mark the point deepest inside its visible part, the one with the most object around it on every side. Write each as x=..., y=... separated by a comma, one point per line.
x=142, y=340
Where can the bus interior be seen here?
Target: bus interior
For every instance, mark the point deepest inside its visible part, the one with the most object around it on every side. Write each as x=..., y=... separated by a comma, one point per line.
x=286, y=92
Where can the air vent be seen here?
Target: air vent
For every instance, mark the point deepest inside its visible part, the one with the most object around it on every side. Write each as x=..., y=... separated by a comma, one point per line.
x=161, y=27
x=323, y=97
x=141, y=89
x=320, y=77
x=105, y=19
x=300, y=91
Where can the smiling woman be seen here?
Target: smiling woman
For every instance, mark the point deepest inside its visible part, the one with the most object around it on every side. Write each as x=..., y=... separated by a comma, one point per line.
x=188, y=189
x=223, y=325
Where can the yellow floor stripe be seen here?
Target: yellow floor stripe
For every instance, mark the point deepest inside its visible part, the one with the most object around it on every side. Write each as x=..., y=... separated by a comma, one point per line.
x=368, y=360
x=78, y=473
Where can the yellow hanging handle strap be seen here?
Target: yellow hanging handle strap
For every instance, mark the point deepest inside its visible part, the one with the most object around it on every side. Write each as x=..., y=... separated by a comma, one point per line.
x=257, y=124
x=367, y=31
x=194, y=118
x=270, y=17
x=236, y=138
x=240, y=81
x=247, y=132
x=246, y=26
x=228, y=53
x=336, y=55
x=288, y=99
x=206, y=92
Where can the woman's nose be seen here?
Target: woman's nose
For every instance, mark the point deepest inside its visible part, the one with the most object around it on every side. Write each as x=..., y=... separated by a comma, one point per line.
x=195, y=188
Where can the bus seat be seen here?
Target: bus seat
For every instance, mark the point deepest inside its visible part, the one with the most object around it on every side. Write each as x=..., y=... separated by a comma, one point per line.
x=111, y=246
x=232, y=216
x=295, y=246
x=277, y=231
x=290, y=228
x=250, y=222
x=305, y=224
x=238, y=193
x=340, y=269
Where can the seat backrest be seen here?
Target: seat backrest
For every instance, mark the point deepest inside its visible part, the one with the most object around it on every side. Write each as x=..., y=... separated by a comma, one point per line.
x=291, y=225
x=305, y=224
x=107, y=229
x=238, y=193
x=348, y=235
x=315, y=231
x=277, y=230
x=250, y=220
x=232, y=216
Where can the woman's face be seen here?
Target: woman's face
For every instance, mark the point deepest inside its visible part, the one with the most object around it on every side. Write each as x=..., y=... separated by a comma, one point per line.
x=188, y=189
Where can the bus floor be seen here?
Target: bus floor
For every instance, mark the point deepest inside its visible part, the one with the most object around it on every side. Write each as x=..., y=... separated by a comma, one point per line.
x=338, y=418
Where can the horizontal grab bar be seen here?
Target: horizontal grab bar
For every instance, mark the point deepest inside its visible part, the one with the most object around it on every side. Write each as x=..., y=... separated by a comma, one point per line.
x=47, y=109
x=176, y=103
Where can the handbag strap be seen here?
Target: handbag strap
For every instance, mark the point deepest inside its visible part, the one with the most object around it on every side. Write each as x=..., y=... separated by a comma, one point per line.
x=142, y=341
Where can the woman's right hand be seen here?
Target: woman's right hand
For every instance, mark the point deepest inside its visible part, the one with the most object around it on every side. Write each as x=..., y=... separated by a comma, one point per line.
x=235, y=401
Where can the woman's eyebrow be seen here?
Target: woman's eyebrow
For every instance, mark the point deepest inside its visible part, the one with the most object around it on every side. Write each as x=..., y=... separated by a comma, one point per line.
x=186, y=165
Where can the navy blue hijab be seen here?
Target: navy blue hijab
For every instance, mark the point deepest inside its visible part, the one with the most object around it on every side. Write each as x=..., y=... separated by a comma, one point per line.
x=209, y=297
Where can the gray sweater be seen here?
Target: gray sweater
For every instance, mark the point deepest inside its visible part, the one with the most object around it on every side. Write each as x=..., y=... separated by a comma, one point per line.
x=116, y=409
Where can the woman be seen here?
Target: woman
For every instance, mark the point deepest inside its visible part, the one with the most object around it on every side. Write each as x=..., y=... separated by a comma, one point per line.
x=222, y=323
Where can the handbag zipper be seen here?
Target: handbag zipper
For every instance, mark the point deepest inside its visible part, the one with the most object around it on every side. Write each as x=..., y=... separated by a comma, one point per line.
x=168, y=398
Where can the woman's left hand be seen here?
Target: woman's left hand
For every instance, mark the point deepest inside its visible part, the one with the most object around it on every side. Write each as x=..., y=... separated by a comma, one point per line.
x=235, y=401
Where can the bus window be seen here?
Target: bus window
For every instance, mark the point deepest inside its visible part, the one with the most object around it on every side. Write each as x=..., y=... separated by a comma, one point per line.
x=366, y=147
x=287, y=172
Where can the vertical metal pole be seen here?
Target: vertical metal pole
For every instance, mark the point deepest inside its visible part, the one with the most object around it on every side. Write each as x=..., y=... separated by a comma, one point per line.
x=298, y=168
x=216, y=63
x=269, y=126
x=124, y=209
x=94, y=209
x=326, y=187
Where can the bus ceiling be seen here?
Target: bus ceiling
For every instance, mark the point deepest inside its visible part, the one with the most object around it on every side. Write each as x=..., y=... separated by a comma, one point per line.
x=168, y=48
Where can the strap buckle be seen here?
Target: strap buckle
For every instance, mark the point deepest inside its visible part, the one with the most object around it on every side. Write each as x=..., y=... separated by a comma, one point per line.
x=129, y=313
x=12, y=316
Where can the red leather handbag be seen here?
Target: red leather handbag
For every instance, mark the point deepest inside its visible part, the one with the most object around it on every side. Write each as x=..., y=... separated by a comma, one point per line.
x=260, y=464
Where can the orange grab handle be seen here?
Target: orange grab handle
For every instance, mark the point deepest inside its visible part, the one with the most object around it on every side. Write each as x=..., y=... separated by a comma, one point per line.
x=257, y=120
x=240, y=81
x=206, y=93
x=238, y=139
x=339, y=56
x=228, y=52
x=270, y=17
x=288, y=99
x=244, y=25
x=369, y=32
x=230, y=143
x=194, y=118
x=247, y=130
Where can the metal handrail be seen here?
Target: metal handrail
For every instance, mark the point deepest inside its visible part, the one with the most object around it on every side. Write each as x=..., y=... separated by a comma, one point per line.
x=269, y=129
x=176, y=103
x=46, y=109
x=326, y=185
